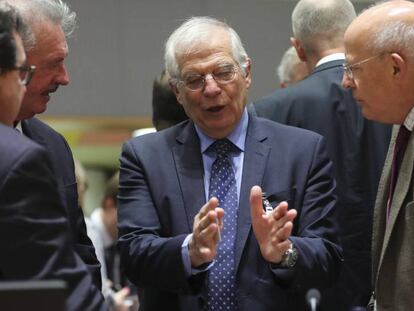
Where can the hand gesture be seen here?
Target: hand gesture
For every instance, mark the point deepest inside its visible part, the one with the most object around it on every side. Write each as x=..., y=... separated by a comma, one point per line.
x=272, y=230
x=206, y=233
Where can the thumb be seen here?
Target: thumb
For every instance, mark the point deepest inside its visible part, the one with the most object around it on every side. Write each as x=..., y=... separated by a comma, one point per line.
x=256, y=205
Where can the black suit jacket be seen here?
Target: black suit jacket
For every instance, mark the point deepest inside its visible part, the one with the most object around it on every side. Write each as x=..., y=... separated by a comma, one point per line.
x=162, y=189
x=34, y=235
x=62, y=161
x=357, y=148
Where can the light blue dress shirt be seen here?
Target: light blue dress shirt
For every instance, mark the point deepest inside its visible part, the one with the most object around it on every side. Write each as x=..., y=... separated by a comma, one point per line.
x=238, y=138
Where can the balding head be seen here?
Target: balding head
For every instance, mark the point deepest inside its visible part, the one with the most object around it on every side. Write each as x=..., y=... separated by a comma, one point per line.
x=388, y=27
x=378, y=48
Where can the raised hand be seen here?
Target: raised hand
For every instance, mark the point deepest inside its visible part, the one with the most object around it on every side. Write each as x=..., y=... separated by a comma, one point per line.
x=272, y=230
x=206, y=233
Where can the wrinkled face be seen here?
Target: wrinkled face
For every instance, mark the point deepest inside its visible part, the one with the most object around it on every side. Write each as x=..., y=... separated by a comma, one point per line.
x=216, y=108
x=48, y=56
x=11, y=88
x=368, y=84
x=381, y=82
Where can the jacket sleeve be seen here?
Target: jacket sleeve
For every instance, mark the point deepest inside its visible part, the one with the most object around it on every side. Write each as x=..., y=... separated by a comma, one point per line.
x=151, y=258
x=32, y=214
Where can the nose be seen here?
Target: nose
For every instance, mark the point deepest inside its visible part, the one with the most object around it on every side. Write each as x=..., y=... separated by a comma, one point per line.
x=347, y=82
x=211, y=87
x=63, y=76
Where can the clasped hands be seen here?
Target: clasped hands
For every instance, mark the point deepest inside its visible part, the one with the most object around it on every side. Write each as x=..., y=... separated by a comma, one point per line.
x=272, y=230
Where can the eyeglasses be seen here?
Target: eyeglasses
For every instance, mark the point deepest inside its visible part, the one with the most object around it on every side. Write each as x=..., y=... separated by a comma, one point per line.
x=348, y=68
x=222, y=75
x=25, y=73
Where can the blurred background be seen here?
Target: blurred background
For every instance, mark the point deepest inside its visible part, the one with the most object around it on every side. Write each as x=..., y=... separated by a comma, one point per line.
x=117, y=52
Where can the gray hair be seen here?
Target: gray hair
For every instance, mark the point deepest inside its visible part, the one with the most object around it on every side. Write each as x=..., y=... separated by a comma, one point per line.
x=393, y=36
x=39, y=11
x=324, y=20
x=289, y=60
x=186, y=39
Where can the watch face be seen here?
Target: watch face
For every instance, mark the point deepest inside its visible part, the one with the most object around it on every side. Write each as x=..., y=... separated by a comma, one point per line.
x=290, y=257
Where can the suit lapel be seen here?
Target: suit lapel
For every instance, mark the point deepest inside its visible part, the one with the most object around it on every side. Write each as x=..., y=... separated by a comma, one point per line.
x=379, y=218
x=381, y=228
x=188, y=160
x=401, y=190
x=254, y=164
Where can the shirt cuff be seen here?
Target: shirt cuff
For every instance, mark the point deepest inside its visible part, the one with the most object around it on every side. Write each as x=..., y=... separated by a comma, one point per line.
x=185, y=254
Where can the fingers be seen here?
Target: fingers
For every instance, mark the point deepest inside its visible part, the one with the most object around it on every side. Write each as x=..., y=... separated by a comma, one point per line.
x=206, y=233
x=256, y=205
x=282, y=233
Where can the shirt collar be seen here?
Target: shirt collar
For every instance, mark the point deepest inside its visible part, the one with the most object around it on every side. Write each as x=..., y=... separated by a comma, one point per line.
x=237, y=137
x=409, y=120
x=18, y=127
x=330, y=58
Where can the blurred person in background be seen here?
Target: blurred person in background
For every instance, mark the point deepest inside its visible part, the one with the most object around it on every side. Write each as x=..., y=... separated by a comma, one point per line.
x=102, y=230
x=166, y=110
x=291, y=69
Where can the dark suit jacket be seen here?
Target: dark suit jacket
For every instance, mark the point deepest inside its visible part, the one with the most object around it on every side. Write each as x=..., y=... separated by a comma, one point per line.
x=34, y=234
x=162, y=189
x=357, y=148
x=392, y=245
x=62, y=161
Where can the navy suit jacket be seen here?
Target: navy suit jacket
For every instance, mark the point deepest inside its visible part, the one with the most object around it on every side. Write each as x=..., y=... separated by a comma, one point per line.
x=162, y=189
x=62, y=161
x=34, y=235
x=357, y=148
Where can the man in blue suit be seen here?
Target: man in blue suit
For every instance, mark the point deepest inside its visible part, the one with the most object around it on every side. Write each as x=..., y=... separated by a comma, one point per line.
x=34, y=233
x=174, y=233
x=51, y=21
x=356, y=146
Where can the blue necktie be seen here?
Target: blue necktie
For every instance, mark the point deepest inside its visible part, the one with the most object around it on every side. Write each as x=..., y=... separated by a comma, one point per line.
x=221, y=281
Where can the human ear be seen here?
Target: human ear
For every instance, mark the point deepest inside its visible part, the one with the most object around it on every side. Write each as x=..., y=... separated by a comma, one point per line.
x=399, y=65
x=299, y=50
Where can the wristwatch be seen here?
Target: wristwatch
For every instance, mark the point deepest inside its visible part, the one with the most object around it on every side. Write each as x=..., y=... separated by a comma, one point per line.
x=290, y=257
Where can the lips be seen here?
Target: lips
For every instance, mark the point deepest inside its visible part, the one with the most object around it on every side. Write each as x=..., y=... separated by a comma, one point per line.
x=215, y=108
x=50, y=90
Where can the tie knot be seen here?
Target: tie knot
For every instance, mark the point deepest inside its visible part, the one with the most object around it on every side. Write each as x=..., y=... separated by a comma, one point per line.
x=222, y=147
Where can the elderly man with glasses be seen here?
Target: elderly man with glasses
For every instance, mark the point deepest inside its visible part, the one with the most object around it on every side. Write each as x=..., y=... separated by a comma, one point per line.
x=193, y=231
x=380, y=72
x=34, y=236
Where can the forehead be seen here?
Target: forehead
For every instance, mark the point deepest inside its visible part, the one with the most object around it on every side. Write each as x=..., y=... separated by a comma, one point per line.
x=355, y=44
x=50, y=39
x=207, y=53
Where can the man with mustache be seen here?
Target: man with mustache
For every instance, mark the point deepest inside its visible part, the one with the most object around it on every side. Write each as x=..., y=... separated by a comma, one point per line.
x=51, y=21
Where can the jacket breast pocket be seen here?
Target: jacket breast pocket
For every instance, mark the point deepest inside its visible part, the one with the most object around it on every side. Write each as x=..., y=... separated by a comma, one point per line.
x=286, y=195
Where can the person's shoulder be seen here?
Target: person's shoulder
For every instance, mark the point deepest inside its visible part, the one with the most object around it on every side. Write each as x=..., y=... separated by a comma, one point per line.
x=40, y=127
x=164, y=136
x=13, y=143
x=15, y=149
x=282, y=130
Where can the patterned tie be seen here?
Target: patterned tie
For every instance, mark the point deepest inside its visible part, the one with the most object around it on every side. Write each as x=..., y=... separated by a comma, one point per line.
x=221, y=281
x=399, y=149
